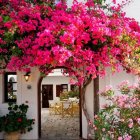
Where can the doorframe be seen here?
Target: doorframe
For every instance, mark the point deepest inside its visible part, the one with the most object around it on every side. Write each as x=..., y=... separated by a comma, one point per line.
x=39, y=105
x=39, y=108
x=48, y=95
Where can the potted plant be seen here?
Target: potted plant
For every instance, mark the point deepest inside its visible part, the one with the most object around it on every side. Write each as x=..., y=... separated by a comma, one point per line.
x=15, y=122
x=73, y=94
x=64, y=95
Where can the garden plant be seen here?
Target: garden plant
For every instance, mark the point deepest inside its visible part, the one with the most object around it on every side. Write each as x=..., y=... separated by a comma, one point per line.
x=119, y=118
x=16, y=119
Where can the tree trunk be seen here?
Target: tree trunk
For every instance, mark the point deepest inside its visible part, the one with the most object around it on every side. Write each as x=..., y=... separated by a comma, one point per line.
x=96, y=96
x=83, y=104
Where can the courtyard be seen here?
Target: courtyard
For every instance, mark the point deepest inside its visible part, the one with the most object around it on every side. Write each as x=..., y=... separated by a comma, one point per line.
x=54, y=127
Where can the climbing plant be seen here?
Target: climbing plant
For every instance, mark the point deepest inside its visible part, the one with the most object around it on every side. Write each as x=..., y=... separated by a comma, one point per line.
x=85, y=38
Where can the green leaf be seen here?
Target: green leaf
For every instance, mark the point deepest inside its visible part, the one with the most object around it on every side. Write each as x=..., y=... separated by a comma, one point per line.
x=16, y=51
x=6, y=18
x=99, y=1
x=8, y=36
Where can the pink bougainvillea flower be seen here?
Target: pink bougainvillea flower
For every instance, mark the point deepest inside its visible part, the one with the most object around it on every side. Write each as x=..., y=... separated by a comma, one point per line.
x=120, y=138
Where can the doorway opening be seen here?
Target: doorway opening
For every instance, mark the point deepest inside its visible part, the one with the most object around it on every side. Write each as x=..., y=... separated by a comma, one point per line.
x=46, y=95
x=54, y=119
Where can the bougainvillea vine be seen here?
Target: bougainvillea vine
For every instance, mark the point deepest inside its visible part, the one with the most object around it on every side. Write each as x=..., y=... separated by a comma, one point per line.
x=84, y=39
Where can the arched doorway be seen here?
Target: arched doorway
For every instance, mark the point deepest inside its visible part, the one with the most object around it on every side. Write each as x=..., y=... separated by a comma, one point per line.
x=39, y=109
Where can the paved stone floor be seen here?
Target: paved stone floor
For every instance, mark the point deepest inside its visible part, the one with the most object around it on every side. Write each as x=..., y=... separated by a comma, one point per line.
x=54, y=127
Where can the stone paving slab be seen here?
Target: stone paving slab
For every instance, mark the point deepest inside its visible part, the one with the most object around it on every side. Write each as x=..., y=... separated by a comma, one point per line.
x=54, y=127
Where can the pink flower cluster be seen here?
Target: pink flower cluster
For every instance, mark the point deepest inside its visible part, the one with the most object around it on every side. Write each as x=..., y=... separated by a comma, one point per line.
x=125, y=137
x=81, y=38
x=124, y=87
x=108, y=91
x=125, y=101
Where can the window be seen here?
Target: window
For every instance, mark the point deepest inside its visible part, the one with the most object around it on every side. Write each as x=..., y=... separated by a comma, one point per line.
x=64, y=87
x=10, y=87
x=61, y=88
x=72, y=87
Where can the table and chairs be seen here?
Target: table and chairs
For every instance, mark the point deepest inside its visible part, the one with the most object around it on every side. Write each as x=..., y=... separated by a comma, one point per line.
x=65, y=107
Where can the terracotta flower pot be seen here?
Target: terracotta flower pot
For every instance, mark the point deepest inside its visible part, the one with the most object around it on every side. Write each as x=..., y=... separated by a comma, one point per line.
x=12, y=136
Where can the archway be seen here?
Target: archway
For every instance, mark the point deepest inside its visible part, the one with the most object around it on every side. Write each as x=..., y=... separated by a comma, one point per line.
x=39, y=108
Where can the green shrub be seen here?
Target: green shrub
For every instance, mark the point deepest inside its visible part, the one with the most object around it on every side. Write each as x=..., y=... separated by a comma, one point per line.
x=16, y=119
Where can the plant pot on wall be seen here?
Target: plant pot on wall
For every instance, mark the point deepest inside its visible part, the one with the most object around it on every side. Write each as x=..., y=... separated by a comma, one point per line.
x=12, y=136
x=15, y=121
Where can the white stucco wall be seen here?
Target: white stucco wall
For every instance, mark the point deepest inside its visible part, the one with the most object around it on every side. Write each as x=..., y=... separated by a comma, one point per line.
x=57, y=72
x=29, y=95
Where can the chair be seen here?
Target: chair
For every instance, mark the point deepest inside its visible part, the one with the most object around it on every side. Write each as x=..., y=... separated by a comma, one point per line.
x=58, y=108
x=51, y=107
x=76, y=108
x=67, y=108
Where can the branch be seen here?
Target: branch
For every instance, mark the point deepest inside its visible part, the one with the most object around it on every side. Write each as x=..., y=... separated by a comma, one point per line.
x=83, y=103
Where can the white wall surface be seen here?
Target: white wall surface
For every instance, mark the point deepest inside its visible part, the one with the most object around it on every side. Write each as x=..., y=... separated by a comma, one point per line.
x=30, y=95
x=57, y=72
